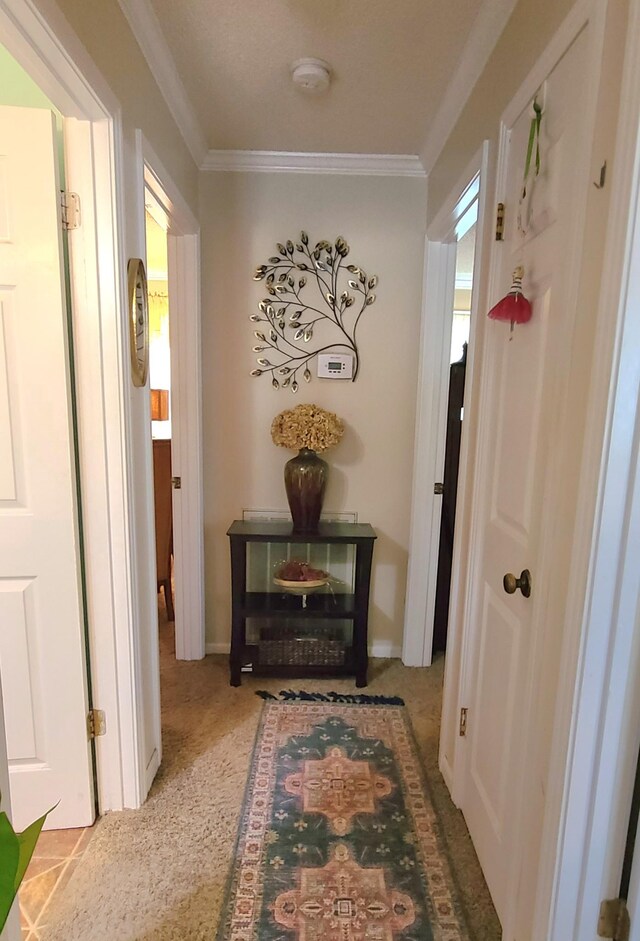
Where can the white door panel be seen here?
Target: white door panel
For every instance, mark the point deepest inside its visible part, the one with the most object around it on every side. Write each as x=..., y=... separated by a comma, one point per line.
x=489, y=768
x=42, y=657
x=522, y=369
x=518, y=429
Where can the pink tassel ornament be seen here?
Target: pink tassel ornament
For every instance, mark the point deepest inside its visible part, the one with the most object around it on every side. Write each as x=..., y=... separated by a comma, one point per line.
x=514, y=307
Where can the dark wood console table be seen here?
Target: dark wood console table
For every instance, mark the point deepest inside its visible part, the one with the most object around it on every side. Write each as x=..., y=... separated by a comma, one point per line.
x=305, y=625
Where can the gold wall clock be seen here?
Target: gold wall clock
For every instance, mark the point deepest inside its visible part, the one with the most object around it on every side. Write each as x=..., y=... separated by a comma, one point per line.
x=138, y=308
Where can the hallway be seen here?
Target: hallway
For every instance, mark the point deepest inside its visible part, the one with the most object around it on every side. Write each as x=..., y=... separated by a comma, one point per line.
x=160, y=873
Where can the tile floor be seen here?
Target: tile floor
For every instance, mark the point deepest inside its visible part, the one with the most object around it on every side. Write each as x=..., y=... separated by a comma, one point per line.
x=57, y=854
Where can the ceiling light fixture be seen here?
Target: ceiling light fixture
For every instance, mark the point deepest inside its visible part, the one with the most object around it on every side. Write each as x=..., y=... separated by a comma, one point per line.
x=312, y=76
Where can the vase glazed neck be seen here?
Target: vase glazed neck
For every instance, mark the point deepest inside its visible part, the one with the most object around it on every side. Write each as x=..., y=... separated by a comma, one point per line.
x=304, y=452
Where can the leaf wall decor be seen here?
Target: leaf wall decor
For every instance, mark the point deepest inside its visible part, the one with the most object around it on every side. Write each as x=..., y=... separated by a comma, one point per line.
x=314, y=305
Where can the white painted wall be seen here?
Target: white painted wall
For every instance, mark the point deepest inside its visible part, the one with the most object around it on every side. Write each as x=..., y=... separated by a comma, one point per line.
x=17, y=88
x=243, y=216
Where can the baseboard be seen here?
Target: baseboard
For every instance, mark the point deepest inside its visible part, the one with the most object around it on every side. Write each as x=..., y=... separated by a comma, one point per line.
x=150, y=772
x=381, y=649
x=385, y=650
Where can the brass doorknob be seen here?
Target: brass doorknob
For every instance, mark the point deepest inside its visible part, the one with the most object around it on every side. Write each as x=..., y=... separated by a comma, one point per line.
x=511, y=583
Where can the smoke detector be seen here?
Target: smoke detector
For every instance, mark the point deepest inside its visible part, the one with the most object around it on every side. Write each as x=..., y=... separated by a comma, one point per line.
x=311, y=75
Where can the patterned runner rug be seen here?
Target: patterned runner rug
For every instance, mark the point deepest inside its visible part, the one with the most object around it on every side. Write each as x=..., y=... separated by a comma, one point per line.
x=338, y=839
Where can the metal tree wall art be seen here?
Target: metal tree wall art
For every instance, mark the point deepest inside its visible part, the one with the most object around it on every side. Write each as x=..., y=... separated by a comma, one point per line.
x=314, y=306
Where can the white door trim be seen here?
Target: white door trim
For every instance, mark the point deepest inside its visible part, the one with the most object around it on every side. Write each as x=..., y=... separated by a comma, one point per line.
x=186, y=401
x=52, y=54
x=187, y=448
x=599, y=764
x=439, y=278
x=431, y=407
x=468, y=503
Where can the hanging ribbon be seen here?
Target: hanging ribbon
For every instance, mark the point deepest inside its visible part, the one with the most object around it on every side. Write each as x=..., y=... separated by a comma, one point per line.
x=524, y=204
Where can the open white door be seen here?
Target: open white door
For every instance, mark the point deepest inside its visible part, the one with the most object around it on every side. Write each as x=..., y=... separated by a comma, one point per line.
x=521, y=372
x=42, y=653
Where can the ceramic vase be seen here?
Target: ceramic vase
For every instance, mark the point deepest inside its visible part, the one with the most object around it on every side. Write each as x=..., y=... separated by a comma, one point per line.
x=305, y=481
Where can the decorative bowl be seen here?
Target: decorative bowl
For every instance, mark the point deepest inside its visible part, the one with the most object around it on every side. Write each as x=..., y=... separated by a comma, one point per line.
x=300, y=587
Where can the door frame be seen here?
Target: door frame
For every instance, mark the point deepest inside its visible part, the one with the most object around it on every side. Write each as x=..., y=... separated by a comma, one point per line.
x=585, y=851
x=431, y=412
x=54, y=57
x=183, y=244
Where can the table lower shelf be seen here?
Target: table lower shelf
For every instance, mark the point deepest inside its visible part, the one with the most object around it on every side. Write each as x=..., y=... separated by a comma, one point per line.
x=248, y=663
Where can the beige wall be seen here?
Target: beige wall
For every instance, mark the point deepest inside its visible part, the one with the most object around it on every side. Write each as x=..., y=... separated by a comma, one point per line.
x=104, y=31
x=530, y=28
x=243, y=216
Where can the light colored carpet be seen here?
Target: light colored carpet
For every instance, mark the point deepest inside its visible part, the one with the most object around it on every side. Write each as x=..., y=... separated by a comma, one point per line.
x=159, y=873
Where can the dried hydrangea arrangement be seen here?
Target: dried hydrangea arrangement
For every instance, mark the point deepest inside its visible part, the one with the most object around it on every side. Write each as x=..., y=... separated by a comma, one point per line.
x=335, y=297
x=306, y=426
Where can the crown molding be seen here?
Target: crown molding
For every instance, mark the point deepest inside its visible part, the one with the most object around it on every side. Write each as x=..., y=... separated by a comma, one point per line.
x=271, y=161
x=149, y=36
x=487, y=29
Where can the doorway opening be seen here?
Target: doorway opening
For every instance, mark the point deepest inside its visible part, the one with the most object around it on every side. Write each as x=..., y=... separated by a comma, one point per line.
x=160, y=397
x=437, y=564
x=168, y=226
x=173, y=262
x=460, y=333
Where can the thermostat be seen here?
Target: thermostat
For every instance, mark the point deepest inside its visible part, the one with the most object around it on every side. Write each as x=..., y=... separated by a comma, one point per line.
x=335, y=366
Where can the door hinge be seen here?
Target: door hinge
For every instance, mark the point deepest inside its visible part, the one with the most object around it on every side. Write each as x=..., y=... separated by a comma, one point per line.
x=70, y=203
x=438, y=489
x=96, y=723
x=613, y=920
x=176, y=483
x=500, y=222
x=463, y=722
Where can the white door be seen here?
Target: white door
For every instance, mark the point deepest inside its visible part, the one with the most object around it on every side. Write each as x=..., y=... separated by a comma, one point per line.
x=42, y=655
x=520, y=371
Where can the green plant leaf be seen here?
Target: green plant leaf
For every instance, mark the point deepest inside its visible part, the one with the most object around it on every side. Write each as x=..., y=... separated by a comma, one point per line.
x=9, y=862
x=16, y=850
x=27, y=840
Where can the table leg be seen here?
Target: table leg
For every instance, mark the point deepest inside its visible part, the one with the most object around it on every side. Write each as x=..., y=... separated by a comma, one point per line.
x=238, y=623
x=361, y=678
x=235, y=674
x=364, y=555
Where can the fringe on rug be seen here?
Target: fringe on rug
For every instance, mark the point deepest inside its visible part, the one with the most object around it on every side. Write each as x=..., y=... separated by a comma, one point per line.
x=356, y=699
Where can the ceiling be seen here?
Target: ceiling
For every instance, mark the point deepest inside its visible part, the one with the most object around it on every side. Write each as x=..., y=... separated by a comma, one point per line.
x=391, y=61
